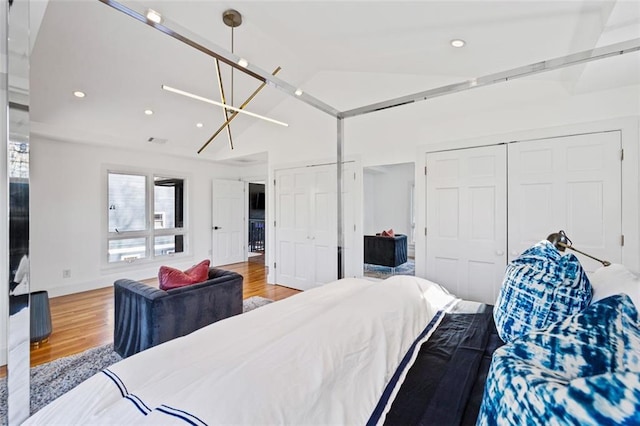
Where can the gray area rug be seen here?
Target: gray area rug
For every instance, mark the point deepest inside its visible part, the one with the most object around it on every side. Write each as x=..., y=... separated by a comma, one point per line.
x=51, y=380
x=382, y=272
x=254, y=302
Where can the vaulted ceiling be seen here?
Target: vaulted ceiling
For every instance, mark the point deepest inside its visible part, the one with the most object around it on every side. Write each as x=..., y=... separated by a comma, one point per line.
x=121, y=63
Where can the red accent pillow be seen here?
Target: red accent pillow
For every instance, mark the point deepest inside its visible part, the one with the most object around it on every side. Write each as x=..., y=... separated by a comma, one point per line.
x=388, y=233
x=173, y=278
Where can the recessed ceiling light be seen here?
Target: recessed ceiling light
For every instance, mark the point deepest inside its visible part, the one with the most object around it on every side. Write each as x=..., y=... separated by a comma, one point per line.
x=458, y=42
x=298, y=92
x=154, y=16
x=243, y=62
x=198, y=125
x=148, y=112
x=79, y=94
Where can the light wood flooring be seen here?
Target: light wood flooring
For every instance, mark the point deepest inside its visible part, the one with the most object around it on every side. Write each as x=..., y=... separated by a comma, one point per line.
x=85, y=320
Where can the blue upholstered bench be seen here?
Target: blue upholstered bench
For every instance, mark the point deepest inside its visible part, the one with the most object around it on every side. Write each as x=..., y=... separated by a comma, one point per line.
x=146, y=316
x=385, y=251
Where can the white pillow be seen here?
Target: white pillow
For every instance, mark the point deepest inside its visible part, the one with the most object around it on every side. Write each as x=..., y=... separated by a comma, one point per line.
x=615, y=279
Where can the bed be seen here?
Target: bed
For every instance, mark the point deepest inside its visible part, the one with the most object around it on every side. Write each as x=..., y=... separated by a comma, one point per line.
x=337, y=354
x=402, y=351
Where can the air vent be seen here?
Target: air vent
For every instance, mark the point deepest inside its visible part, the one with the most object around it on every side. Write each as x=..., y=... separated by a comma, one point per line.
x=157, y=140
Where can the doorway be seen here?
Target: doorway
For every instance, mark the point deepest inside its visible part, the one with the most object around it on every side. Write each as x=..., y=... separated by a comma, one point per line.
x=256, y=223
x=389, y=206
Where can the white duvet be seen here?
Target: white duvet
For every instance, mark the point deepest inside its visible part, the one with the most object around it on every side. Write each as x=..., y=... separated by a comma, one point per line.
x=321, y=357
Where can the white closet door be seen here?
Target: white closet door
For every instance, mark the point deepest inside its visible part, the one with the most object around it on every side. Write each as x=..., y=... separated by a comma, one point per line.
x=306, y=226
x=571, y=183
x=228, y=222
x=466, y=221
x=323, y=229
x=293, y=246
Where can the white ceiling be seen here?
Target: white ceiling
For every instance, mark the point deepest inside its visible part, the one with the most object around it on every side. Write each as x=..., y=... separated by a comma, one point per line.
x=120, y=63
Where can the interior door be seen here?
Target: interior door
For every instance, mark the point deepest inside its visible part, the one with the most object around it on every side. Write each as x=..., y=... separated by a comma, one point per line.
x=306, y=227
x=293, y=244
x=323, y=230
x=571, y=183
x=228, y=222
x=466, y=221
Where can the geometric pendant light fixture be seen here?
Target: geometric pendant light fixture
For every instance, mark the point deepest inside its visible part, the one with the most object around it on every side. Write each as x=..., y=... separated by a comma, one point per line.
x=233, y=19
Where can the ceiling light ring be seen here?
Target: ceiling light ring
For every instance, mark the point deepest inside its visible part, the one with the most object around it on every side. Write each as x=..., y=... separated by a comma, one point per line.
x=232, y=18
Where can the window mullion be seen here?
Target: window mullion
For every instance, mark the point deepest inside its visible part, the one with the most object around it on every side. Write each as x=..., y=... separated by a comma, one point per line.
x=127, y=234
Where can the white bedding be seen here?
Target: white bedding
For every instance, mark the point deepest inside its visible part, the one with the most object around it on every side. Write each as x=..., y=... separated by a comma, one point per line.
x=321, y=357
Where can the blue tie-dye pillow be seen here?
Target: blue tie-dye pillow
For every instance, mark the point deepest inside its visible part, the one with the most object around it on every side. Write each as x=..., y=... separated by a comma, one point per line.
x=540, y=287
x=582, y=371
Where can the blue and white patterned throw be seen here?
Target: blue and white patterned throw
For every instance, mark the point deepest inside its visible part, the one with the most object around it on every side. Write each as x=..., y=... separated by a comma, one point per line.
x=540, y=287
x=584, y=370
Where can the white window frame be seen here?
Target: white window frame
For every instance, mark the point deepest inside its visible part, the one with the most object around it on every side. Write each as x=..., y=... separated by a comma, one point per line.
x=150, y=233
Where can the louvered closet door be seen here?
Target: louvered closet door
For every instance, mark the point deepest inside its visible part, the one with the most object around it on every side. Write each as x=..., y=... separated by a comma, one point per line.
x=571, y=183
x=466, y=221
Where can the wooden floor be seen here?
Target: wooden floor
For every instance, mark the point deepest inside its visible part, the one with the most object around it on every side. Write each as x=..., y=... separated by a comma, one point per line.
x=85, y=320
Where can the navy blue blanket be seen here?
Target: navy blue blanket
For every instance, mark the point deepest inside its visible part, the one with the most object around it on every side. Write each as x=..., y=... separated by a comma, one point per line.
x=445, y=375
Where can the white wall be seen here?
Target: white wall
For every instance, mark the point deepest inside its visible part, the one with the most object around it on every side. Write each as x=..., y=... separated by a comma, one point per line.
x=393, y=135
x=526, y=107
x=68, y=193
x=387, y=198
x=66, y=177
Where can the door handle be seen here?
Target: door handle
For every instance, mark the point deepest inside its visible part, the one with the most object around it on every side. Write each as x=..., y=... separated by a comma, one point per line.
x=499, y=252
x=217, y=227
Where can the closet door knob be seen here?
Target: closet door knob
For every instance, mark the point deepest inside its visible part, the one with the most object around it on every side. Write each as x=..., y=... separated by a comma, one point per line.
x=499, y=252
x=514, y=253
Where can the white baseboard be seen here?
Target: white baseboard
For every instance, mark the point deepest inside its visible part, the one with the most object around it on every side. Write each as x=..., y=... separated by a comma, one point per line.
x=3, y=355
x=75, y=288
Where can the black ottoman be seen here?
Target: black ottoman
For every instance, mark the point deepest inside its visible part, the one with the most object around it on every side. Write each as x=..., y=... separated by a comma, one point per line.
x=40, y=318
x=385, y=251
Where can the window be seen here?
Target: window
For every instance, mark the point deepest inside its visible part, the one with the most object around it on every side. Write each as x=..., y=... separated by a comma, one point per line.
x=146, y=216
x=18, y=159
